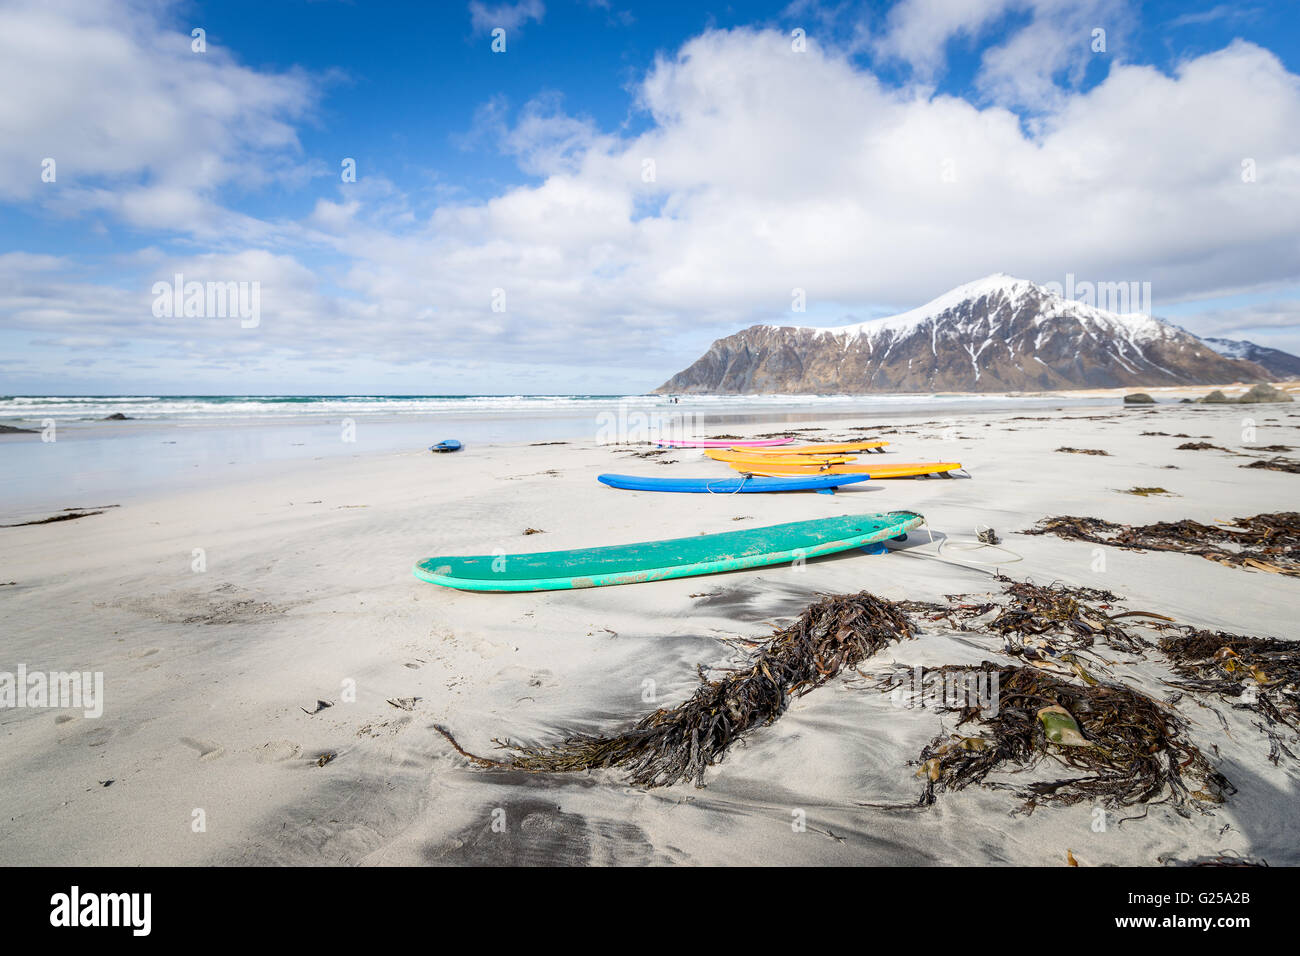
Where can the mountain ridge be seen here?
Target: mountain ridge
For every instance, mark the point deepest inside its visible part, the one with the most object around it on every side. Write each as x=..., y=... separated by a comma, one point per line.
x=1280, y=364
x=995, y=334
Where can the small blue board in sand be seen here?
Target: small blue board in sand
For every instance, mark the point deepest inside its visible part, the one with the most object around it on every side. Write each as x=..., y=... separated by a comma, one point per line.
x=751, y=484
x=449, y=445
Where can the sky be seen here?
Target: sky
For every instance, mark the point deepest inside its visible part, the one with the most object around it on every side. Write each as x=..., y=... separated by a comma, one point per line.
x=579, y=196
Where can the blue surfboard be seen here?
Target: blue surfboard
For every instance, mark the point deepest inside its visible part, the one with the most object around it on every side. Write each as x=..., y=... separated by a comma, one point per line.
x=826, y=484
x=449, y=445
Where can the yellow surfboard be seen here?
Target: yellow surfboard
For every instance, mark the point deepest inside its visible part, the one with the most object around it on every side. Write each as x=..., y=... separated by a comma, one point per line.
x=839, y=448
x=719, y=454
x=882, y=470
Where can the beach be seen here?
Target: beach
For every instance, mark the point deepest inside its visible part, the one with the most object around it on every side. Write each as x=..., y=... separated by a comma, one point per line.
x=223, y=613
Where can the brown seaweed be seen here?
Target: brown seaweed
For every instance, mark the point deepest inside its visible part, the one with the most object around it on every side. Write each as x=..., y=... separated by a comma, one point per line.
x=1134, y=749
x=1265, y=542
x=1259, y=674
x=1277, y=463
x=1124, y=747
x=1083, y=451
x=680, y=743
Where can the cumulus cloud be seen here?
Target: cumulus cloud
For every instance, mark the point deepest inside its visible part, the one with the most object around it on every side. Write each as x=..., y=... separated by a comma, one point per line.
x=137, y=124
x=1031, y=66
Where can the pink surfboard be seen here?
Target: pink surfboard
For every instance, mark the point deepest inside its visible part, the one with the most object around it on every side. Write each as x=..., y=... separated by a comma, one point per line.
x=707, y=443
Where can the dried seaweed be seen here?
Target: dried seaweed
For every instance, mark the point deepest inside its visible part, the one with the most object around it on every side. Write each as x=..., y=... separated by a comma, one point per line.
x=1277, y=463
x=1198, y=446
x=680, y=743
x=1080, y=615
x=1124, y=747
x=1134, y=750
x=1146, y=492
x=1259, y=674
x=1265, y=542
x=1083, y=451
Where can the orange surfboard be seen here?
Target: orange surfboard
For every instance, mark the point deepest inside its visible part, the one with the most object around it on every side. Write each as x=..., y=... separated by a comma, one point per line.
x=837, y=448
x=882, y=470
x=744, y=456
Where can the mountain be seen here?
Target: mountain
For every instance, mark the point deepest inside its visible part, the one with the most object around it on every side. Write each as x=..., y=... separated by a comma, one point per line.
x=1279, y=364
x=996, y=334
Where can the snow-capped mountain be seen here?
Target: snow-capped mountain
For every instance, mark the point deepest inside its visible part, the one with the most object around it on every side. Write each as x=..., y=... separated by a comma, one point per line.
x=992, y=335
x=1277, y=363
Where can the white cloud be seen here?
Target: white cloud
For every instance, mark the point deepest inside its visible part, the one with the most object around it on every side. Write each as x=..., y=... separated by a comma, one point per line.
x=1025, y=70
x=509, y=16
x=136, y=122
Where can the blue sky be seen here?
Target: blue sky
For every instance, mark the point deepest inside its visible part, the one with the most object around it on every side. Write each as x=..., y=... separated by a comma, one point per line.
x=523, y=173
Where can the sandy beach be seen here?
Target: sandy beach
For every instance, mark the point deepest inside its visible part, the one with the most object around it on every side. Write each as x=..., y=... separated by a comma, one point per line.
x=222, y=617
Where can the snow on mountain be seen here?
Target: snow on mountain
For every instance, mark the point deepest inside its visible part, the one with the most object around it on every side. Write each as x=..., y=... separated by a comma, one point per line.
x=1277, y=363
x=998, y=333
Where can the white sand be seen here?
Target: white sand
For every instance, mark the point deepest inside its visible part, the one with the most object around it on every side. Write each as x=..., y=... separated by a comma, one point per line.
x=308, y=586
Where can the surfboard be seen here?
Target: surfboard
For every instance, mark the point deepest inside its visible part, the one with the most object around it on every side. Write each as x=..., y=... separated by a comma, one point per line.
x=884, y=470
x=720, y=454
x=835, y=448
x=671, y=558
x=730, y=486
x=450, y=444
x=712, y=443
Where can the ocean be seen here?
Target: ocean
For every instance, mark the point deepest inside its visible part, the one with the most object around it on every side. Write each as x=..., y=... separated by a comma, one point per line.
x=74, y=457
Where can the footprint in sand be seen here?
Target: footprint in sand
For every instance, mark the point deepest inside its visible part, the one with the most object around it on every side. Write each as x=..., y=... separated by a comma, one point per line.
x=206, y=748
x=275, y=751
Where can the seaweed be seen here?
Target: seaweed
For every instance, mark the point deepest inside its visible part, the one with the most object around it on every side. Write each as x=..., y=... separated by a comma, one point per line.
x=1265, y=542
x=1260, y=674
x=1083, y=451
x=1146, y=492
x=1121, y=746
x=1277, y=463
x=1129, y=748
x=1198, y=446
x=67, y=514
x=681, y=743
x=1081, y=615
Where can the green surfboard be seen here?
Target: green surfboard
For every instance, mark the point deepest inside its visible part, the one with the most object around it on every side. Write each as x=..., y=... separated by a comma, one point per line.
x=672, y=558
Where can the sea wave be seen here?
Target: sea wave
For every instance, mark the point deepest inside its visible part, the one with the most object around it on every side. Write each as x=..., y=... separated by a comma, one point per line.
x=215, y=408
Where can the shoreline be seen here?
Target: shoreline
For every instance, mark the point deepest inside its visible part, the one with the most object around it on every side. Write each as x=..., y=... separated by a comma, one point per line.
x=169, y=454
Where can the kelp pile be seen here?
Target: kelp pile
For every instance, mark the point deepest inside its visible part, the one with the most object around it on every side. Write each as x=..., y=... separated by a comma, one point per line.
x=1079, y=615
x=680, y=743
x=1119, y=746
x=1083, y=451
x=1126, y=748
x=1277, y=463
x=1259, y=674
x=1266, y=542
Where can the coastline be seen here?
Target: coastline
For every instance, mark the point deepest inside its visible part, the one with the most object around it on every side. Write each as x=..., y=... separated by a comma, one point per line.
x=307, y=586
x=164, y=449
